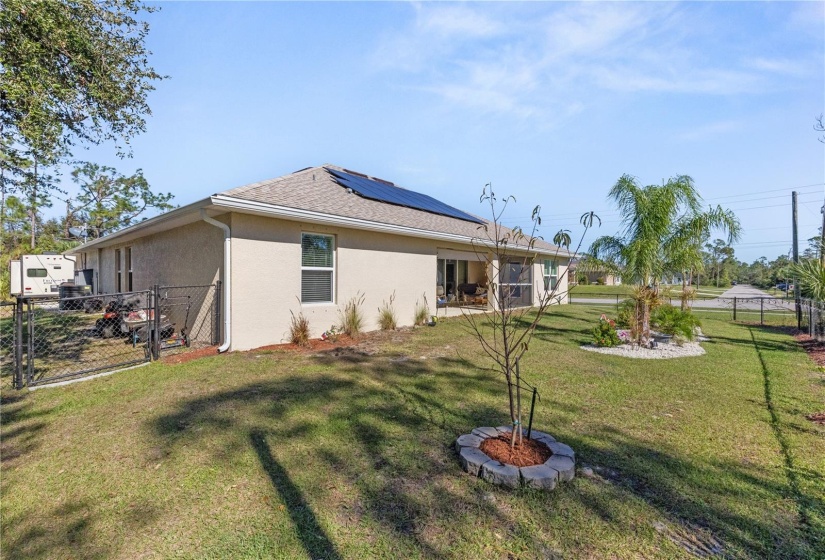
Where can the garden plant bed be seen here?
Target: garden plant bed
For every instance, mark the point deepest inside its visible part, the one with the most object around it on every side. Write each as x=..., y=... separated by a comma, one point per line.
x=531, y=452
x=663, y=351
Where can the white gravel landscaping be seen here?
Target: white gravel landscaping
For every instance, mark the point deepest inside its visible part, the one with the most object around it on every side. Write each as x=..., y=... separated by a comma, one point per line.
x=663, y=352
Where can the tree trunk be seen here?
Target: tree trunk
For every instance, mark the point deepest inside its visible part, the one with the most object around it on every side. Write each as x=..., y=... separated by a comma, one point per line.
x=2, y=210
x=33, y=204
x=518, y=401
x=509, y=376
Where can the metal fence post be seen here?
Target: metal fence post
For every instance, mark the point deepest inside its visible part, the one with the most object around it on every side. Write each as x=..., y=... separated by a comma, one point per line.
x=155, y=333
x=29, y=342
x=809, y=313
x=216, y=330
x=734, y=308
x=18, y=344
x=617, y=304
x=532, y=408
x=761, y=311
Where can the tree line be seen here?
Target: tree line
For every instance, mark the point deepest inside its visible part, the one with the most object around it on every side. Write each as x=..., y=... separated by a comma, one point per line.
x=72, y=74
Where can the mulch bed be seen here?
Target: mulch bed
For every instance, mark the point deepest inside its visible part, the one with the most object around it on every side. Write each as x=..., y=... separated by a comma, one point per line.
x=313, y=345
x=190, y=355
x=816, y=351
x=814, y=348
x=528, y=454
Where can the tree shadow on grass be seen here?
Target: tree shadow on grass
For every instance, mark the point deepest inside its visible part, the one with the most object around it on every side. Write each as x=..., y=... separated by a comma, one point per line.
x=21, y=426
x=703, y=497
x=398, y=453
x=314, y=539
x=386, y=427
x=68, y=531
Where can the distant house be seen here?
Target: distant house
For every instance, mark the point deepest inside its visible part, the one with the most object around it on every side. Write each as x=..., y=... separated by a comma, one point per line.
x=592, y=276
x=306, y=243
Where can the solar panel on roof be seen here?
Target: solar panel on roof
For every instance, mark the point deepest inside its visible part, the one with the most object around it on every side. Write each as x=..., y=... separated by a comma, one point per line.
x=383, y=191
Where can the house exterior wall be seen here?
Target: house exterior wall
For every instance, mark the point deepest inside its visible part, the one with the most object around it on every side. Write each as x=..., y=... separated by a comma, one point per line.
x=266, y=277
x=188, y=255
x=266, y=272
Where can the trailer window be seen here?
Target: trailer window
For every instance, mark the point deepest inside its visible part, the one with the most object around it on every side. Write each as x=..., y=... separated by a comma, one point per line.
x=36, y=272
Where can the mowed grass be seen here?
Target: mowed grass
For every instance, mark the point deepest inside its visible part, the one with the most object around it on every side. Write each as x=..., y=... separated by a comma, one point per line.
x=625, y=290
x=349, y=455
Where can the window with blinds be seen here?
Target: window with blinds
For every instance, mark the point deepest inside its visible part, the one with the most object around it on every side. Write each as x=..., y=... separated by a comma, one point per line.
x=317, y=268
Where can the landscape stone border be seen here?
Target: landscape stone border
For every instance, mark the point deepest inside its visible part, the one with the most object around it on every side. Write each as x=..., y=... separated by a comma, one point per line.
x=560, y=467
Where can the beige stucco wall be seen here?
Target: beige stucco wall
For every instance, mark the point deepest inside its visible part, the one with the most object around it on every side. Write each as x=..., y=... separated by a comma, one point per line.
x=266, y=272
x=188, y=255
x=266, y=277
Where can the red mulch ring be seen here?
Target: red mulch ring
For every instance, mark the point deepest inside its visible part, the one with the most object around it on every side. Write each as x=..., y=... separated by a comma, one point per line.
x=528, y=454
x=817, y=418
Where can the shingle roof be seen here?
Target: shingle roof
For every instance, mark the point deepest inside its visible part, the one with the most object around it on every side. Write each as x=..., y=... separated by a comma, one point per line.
x=316, y=190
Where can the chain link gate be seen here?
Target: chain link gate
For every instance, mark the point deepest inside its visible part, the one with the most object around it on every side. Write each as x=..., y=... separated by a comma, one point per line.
x=48, y=339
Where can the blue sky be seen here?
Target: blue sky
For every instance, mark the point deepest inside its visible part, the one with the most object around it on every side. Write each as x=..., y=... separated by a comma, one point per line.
x=551, y=102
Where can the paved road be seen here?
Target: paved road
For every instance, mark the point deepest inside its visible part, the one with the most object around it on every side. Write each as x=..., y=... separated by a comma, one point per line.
x=724, y=301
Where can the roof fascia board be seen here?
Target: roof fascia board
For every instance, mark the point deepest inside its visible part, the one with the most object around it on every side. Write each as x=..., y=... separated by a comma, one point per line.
x=297, y=214
x=172, y=214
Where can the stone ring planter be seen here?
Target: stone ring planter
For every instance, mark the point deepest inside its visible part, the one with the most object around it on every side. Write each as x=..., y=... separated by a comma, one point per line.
x=560, y=467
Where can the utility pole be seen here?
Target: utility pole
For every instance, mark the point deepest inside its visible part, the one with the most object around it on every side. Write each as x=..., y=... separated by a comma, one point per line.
x=822, y=237
x=796, y=288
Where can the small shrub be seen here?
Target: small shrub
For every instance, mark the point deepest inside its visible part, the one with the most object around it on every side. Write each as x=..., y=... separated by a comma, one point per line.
x=627, y=310
x=299, y=329
x=675, y=322
x=604, y=334
x=331, y=334
x=386, y=315
x=422, y=314
x=352, y=317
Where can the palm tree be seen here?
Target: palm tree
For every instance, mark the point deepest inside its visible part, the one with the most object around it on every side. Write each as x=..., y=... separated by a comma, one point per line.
x=662, y=231
x=810, y=274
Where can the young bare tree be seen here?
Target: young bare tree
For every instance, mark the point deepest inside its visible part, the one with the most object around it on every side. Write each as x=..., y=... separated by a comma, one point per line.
x=509, y=255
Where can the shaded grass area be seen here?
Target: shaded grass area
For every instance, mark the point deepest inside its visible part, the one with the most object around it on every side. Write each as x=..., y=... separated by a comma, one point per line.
x=349, y=454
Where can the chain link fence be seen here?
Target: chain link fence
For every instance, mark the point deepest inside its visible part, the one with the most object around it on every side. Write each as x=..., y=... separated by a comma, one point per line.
x=78, y=336
x=777, y=312
x=7, y=337
x=189, y=317
x=812, y=318
x=50, y=339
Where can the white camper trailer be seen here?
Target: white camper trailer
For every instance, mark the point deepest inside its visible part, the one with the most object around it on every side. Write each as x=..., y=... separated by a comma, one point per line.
x=40, y=275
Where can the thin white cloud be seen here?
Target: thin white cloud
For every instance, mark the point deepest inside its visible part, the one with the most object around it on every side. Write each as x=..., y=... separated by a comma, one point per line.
x=456, y=22
x=710, y=130
x=538, y=61
x=777, y=65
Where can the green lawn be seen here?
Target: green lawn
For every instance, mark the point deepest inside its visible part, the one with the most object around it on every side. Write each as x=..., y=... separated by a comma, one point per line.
x=625, y=290
x=349, y=454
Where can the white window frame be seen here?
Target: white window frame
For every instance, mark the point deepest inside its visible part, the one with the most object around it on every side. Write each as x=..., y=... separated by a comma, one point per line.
x=526, y=286
x=127, y=257
x=548, y=278
x=321, y=268
x=118, y=271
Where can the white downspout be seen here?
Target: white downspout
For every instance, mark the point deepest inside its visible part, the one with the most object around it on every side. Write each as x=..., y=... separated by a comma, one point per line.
x=227, y=291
